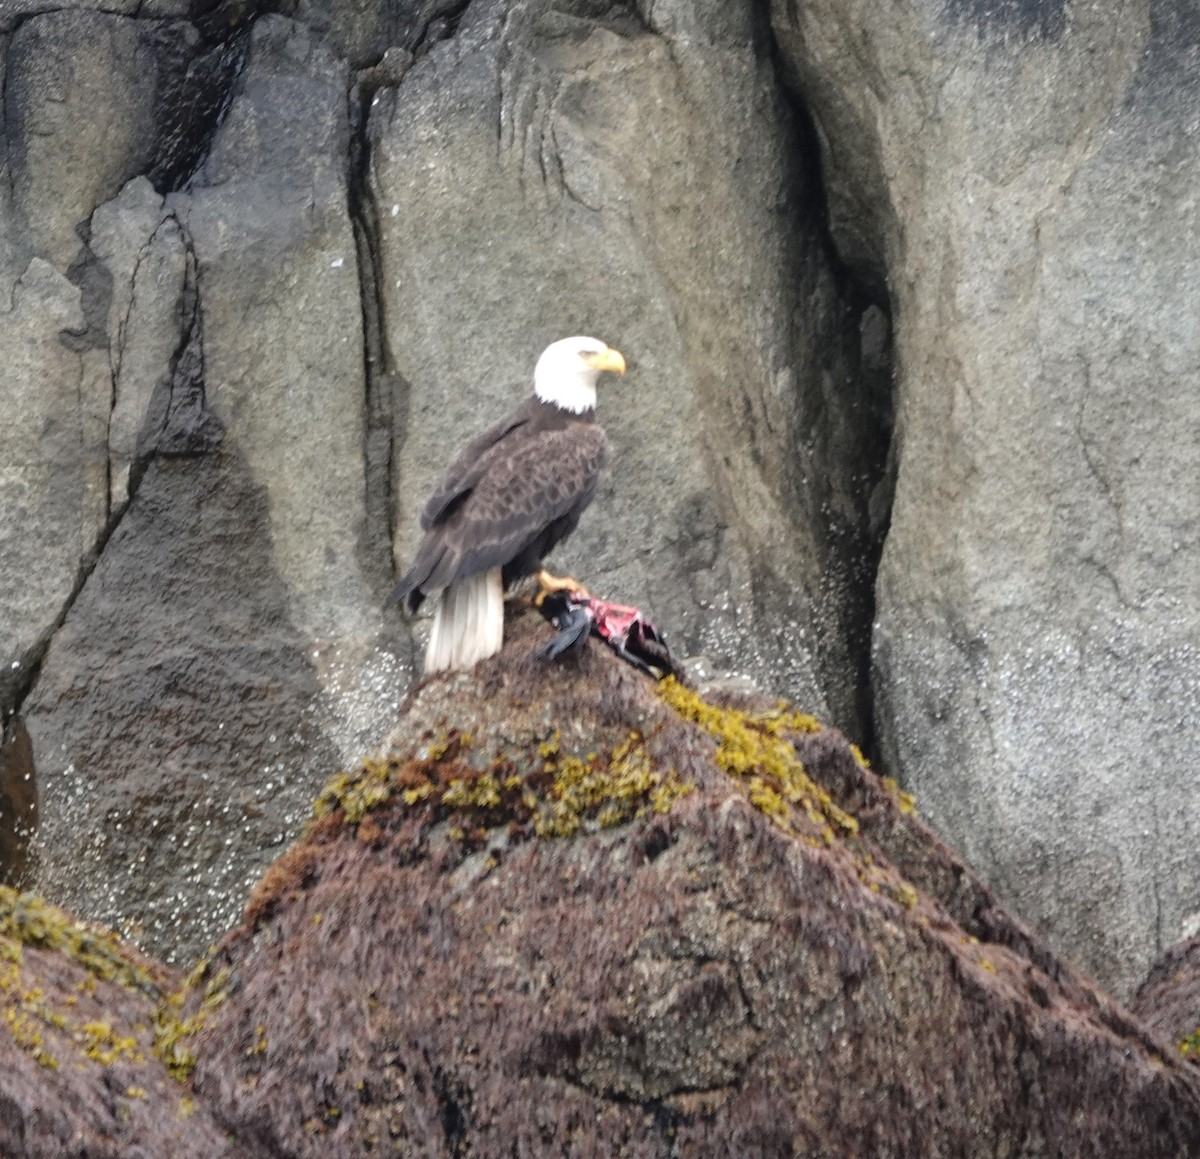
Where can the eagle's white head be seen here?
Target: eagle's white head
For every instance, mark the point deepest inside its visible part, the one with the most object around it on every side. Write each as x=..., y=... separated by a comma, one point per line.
x=567, y=371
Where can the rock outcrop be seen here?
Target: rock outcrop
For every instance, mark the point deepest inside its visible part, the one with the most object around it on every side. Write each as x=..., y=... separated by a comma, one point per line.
x=566, y=910
x=230, y=626
x=1014, y=174
x=562, y=909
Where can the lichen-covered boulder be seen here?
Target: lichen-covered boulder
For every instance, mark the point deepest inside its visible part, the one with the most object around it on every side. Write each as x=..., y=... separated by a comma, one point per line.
x=89, y=1065
x=567, y=911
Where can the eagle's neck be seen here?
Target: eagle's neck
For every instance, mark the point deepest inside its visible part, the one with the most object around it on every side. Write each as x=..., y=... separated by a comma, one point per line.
x=574, y=392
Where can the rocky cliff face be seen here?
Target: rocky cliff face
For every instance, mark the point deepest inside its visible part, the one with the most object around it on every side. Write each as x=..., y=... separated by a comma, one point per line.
x=1015, y=172
x=262, y=263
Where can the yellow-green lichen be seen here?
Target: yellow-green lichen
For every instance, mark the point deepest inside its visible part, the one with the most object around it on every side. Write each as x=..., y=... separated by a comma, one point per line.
x=29, y=1013
x=567, y=793
x=26, y=1015
x=28, y=920
x=356, y=793
x=103, y=1045
x=172, y=1028
x=905, y=802
x=448, y=745
x=27, y=1032
x=480, y=793
x=754, y=748
x=1189, y=1045
x=419, y=793
x=595, y=792
x=667, y=792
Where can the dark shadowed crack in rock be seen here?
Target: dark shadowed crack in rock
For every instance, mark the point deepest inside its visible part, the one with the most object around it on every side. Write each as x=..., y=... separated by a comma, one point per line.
x=872, y=412
x=386, y=391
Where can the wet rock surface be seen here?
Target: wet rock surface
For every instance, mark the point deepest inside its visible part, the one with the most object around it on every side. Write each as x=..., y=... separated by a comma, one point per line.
x=561, y=910
x=163, y=837
x=18, y=801
x=270, y=265
x=229, y=629
x=1014, y=173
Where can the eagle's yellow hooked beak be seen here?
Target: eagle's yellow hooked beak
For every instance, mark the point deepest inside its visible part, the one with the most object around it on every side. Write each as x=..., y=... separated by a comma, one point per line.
x=607, y=359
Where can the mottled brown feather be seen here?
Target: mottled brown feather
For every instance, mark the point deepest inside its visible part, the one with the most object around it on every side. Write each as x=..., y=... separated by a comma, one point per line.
x=516, y=491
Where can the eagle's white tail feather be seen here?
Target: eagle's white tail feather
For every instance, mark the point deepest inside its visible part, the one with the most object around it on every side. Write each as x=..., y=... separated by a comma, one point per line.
x=469, y=623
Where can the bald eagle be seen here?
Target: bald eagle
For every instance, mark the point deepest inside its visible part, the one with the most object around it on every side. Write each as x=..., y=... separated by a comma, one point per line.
x=509, y=498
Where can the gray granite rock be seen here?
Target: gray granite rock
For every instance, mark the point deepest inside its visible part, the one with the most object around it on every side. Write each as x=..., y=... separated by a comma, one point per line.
x=176, y=725
x=283, y=341
x=151, y=317
x=1019, y=176
x=232, y=619
x=362, y=31
x=51, y=467
x=79, y=112
x=90, y=98
x=16, y=12
x=550, y=171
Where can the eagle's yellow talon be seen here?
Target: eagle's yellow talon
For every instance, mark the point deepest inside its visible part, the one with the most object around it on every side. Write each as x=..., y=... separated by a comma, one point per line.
x=548, y=584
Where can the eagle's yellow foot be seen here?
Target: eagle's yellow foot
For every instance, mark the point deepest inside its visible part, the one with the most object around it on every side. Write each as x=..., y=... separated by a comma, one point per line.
x=549, y=584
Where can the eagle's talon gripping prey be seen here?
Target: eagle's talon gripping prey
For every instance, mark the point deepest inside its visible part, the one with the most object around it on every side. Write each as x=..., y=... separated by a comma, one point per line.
x=577, y=615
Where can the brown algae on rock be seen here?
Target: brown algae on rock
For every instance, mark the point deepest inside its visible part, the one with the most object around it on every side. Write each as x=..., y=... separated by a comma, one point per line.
x=34, y=1014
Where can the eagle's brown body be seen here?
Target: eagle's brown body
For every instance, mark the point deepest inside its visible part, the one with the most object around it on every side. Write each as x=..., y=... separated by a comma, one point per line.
x=513, y=494
x=510, y=497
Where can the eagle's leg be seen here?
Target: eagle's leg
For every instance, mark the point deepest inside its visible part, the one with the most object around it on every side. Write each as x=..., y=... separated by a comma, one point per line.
x=549, y=584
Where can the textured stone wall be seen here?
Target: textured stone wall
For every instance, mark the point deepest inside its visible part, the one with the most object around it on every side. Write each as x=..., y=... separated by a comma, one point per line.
x=1019, y=176
x=908, y=269
x=269, y=269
